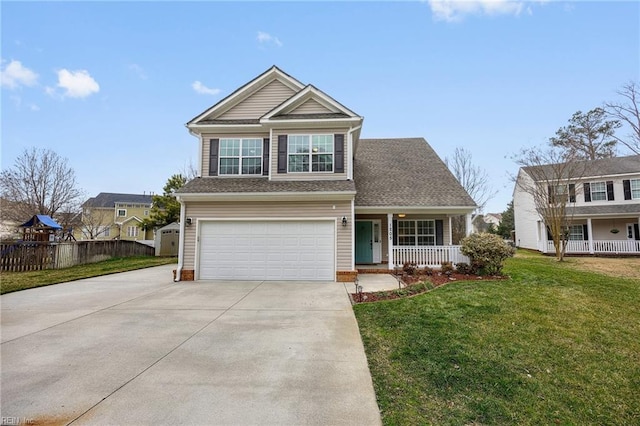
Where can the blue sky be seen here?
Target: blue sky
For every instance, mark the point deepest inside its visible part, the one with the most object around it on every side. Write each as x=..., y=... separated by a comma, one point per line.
x=110, y=85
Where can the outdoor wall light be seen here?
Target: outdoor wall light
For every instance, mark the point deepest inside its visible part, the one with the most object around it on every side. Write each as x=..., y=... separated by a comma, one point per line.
x=189, y=221
x=344, y=221
x=401, y=215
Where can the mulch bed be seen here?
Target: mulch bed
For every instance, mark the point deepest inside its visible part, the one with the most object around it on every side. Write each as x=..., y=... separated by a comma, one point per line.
x=418, y=284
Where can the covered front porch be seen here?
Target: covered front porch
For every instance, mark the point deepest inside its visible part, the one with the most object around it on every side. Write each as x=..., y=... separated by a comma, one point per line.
x=390, y=239
x=612, y=235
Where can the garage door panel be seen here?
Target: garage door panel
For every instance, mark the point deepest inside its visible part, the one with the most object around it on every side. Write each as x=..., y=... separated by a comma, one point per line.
x=267, y=250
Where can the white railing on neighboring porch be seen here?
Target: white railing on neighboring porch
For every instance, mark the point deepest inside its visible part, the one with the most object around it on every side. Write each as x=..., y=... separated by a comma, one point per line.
x=432, y=256
x=600, y=246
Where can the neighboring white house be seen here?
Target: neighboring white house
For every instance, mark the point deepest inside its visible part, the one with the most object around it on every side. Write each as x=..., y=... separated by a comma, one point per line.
x=605, y=205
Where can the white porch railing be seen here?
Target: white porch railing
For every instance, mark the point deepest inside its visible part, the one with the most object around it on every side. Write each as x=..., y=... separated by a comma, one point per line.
x=431, y=256
x=600, y=246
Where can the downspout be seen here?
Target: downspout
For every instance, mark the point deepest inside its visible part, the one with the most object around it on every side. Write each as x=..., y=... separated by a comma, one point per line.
x=183, y=214
x=201, y=142
x=350, y=149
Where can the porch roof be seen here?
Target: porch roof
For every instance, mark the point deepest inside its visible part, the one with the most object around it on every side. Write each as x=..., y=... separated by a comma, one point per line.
x=405, y=172
x=606, y=209
x=204, y=185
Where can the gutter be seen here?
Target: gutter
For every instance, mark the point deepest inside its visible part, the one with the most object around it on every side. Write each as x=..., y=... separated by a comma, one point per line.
x=181, y=242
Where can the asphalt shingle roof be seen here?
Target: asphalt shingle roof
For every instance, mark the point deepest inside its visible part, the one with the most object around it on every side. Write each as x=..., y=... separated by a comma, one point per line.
x=600, y=167
x=404, y=172
x=109, y=199
x=607, y=209
x=238, y=185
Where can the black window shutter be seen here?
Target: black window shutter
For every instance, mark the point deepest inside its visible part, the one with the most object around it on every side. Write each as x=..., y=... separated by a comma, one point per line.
x=550, y=194
x=587, y=192
x=395, y=232
x=627, y=189
x=549, y=234
x=213, y=157
x=572, y=192
x=282, y=153
x=439, y=232
x=637, y=229
x=265, y=157
x=338, y=149
x=585, y=232
x=609, y=190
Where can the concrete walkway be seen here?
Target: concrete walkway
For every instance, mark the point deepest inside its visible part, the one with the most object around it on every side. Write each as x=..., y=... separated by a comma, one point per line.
x=374, y=282
x=136, y=348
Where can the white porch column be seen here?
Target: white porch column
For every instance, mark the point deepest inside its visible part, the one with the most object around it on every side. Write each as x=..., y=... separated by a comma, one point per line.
x=590, y=232
x=391, y=261
x=450, y=232
x=468, y=230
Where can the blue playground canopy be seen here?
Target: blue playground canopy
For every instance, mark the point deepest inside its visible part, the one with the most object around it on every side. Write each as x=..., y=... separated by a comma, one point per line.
x=41, y=221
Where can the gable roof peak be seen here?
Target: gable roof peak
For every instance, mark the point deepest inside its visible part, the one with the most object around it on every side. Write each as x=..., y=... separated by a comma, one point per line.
x=246, y=90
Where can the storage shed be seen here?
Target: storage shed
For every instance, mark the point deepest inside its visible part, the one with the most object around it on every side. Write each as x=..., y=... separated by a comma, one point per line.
x=167, y=240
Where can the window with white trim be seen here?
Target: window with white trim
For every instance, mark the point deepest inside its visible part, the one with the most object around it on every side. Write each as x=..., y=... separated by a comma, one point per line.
x=635, y=189
x=598, y=191
x=416, y=232
x=560, y=194
x=576, y=233
x=240, y=156
x=106, y=231
x=122, y=212
x=132, y=231
x=310, y=153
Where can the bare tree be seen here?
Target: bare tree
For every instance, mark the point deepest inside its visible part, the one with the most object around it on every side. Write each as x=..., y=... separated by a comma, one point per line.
x=588, y=136
x=40, y=182
x=628, y=112
x=474, y=180
x=552, y=178
x=95, y=222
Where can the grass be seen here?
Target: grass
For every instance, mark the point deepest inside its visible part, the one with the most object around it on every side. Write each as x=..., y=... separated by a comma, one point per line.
x=15, y=281
x=553, y=345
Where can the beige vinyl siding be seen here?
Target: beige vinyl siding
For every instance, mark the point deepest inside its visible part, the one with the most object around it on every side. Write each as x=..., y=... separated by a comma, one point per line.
x=310, y=107
x=266, y=210
x=206, y=144
x=260, y=102
x=307, y=175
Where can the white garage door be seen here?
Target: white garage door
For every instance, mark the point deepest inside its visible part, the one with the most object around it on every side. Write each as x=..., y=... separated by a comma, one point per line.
x=267, y=250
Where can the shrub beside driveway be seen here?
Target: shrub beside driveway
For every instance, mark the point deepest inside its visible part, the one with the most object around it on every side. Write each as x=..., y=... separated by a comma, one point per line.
x=554, y=344
x=15, y=281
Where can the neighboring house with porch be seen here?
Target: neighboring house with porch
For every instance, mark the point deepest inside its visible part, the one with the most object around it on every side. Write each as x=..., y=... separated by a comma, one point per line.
x=289, y=191
x=604, y=205
x=111, y=216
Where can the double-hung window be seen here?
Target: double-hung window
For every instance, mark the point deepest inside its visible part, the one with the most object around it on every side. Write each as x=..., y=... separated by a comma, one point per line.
x=240, y=157
x=576, y=232
x=635, y=189
x=310, y=153
x=598, y=191
x=560, y=194
x=416, y=232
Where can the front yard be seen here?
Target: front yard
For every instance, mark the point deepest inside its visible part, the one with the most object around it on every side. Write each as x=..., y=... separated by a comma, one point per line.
x=556, y=344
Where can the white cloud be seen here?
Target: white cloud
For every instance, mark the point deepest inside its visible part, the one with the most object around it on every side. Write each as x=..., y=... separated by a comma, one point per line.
x=456, y=10
x=15, y=75
x=77, y=84
x=203, y=90
x=267, y=39
x=138, y=70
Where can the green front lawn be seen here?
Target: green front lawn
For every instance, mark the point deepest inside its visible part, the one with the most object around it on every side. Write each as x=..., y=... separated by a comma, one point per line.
x=14, y=281
x=553, y=345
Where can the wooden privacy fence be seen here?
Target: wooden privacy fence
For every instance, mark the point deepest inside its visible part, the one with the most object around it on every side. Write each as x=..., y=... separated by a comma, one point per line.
x=20, y=256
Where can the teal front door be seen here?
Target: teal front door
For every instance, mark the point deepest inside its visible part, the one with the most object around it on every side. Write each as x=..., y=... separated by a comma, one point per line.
x=364, y=242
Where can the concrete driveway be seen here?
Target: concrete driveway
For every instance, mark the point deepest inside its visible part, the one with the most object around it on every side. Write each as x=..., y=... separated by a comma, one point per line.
x=136, y=348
